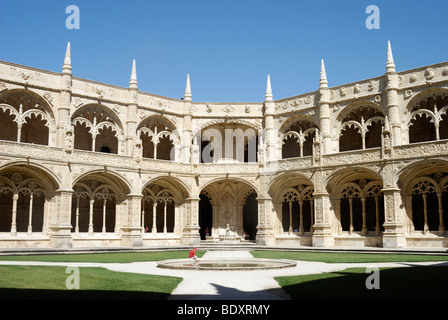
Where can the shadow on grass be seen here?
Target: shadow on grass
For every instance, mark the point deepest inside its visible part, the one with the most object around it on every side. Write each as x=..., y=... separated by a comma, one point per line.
x=422, y=283
x=42, y=294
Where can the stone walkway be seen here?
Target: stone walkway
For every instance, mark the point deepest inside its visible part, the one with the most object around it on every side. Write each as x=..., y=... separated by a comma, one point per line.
x=226, y=285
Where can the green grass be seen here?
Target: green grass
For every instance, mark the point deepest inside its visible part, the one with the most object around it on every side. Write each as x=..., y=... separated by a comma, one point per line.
x=122, y=257
x=394, y=284
x=49, y=282
x=340, y=257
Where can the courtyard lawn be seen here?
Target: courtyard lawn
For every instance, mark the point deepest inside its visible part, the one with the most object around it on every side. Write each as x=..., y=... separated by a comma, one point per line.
x=49, y=282
x=421, y=283
x=119, y=257
x=342, y=257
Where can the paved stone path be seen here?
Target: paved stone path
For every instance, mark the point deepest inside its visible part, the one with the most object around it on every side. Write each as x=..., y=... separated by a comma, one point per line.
x=225, y=285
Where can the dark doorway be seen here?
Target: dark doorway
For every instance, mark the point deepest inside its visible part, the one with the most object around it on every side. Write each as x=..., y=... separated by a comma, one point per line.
x=250, y=216
x=205, y=216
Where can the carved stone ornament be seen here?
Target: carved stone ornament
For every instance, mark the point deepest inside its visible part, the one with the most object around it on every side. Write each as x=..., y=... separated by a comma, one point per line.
x=445, y=72
x=429, y=73
x=228, y=109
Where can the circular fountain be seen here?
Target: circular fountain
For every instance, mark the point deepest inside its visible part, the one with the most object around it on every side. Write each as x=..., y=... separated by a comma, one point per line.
x=226, y=264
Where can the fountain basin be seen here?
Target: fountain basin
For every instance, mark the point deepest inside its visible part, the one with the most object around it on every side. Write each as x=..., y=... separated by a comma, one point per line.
x=226, y=264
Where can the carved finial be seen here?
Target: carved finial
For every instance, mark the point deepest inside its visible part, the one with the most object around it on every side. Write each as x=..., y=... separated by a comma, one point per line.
x=67, y=66
x=268, y=95
x=133, y=79
x=386, y=123
x=390, y=64
x=187, y=95
x=323, y=75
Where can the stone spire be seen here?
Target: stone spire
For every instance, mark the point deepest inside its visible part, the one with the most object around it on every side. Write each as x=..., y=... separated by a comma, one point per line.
x=390, y=64
x=268, y=95
x=67, y=66
x=323, y=75
x=133, y=79
x=187, y=95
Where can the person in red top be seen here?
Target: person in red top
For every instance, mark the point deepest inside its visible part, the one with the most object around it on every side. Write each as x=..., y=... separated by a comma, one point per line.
x=192, y=254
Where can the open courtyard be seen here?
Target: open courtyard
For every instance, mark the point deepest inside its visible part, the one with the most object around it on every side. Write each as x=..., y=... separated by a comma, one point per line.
x=135, y=275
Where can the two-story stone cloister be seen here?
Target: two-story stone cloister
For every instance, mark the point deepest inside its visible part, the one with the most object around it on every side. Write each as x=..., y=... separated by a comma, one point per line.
x=87, y=164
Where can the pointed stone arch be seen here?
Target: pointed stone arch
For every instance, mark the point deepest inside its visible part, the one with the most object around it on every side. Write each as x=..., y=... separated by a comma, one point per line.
x=27, y=117
x=357, y=201
x=26, y=194
x=426, y=116
x=293, y=204
x=227, y=198
x=228, y=140
x=296, y=136
x=163, y=205
x=97, y=128
x=359, y=126
x=425, y=196
x=159, y=137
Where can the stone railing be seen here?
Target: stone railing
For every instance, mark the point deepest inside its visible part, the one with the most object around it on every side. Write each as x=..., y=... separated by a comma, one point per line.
x=422, y=149
x=10, y=150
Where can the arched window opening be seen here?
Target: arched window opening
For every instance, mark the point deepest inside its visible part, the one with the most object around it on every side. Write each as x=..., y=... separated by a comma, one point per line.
x=94, y=128
x=429, y=195
x=106, y=140
x=205, y=216
x=361, y=207
x=158, y=139
x=298, y=210
x=361, y=129
x=350, y=139
x=93, y=207
x=22, y=201
x=250, y=215
x=8, y=125
x=158, y=210
x=24, y=118
x=83, y=136
x=227, y=143
x=298, y=139
x=427, y=119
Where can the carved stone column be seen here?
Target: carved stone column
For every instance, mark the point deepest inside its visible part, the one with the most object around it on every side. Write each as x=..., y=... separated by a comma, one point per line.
x=392, y=86
x=60, y=227
x=186, y=135
x=324, y=119
x=270, y=138
x=324, y=111
x=131, y=123
x=265, y=230
x=190, y=234
x=187, y=153
x=64, y=134
x=322, y=234
x=393, y=236
x=132, y=231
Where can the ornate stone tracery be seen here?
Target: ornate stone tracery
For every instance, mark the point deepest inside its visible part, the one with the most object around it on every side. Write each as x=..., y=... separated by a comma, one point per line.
x=157, y=197
x=95, y=129
x=88, y=164
x=25, y=192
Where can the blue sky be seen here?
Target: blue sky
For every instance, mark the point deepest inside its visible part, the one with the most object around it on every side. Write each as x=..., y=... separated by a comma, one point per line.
x=228, y=47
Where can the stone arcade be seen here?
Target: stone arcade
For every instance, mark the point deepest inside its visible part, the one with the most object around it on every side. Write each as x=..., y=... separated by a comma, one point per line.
x=87, y=164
